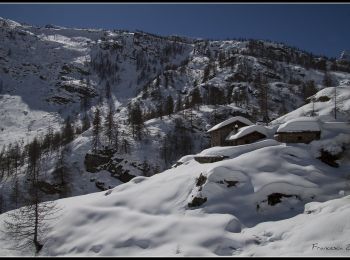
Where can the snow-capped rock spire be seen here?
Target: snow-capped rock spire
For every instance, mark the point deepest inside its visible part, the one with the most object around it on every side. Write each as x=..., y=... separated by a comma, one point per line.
x=345, y=55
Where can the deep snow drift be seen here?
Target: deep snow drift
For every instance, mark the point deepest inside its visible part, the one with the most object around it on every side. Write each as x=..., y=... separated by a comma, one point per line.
x=254, y=206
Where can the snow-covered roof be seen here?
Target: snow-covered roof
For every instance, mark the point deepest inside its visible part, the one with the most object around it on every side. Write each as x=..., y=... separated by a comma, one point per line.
x=230, y=121
x=301, y=124
x=245, y=131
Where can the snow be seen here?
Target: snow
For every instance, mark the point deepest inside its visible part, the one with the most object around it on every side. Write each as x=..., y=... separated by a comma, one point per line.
x=334, y=144
x=233, y=151
x=301, y=124
x=150, y=216
x=76, y=43
x=229, y=121
x=9, y=23
x=245, y=131
x=345, y=55
x=323, y=110
x=186, y=158
x=20, y=122
x=336, y=126
x=321, y=231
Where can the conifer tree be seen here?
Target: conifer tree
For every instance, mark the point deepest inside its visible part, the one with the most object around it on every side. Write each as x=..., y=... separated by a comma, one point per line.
x=309, y=89
x=85, y=123
x=57, y=140
x=84, y=103
x=327, y=79
x=145, y=168
x=135, y=119
x=160, y=111
x=196, y=98
x=178, y=104
x=96, y=130
x=108, y=91
x=61, y=173
x=262, y=86
x=169, y=105
x=27, y=225
x=125, y=146
x=109, y=125
x=206, y=74
x=68, y=131
x=116, y=136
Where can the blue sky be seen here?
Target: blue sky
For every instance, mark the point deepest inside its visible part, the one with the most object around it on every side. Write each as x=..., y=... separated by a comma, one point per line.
x=319, y=28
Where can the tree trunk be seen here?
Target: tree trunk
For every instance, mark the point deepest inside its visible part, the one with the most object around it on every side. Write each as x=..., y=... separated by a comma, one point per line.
x=37, y=244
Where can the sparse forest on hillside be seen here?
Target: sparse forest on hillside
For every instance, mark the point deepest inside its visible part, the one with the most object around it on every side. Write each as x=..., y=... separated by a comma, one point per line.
x=99, y=112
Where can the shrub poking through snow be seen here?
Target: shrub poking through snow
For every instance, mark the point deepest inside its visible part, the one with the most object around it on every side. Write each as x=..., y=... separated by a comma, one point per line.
x=323, y=99
x=275, y=198
x=231, y=183
x=201, y=180
x=330, y=158
x=196, y=202
x=100, y=185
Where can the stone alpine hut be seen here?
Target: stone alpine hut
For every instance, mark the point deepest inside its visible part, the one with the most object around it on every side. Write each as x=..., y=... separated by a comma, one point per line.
x=247, y=135
x=220, y=131
x=299, y=130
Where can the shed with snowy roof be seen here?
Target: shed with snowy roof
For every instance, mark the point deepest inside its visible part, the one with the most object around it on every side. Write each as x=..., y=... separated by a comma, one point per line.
x=220, y=131
x=247, y=135
x=299, y=130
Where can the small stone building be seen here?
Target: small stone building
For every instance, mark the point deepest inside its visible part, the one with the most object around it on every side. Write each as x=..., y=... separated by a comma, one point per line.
x=220, y=131
x=209, y=158
x=247, y=135
x=299, y=130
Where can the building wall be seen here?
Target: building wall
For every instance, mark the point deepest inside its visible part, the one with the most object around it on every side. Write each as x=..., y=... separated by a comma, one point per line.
x=218, y=137
x=302, y=137
x=250, y=138
x=209, y=159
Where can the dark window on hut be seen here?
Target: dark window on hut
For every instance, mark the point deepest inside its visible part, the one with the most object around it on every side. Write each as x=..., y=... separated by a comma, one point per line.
x=300, y=138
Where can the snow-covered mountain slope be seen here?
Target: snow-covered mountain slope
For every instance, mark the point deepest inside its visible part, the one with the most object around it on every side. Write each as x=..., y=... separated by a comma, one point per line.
x=49, y=73
x=323, y=105
x=231, y=207
x=143, y=158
